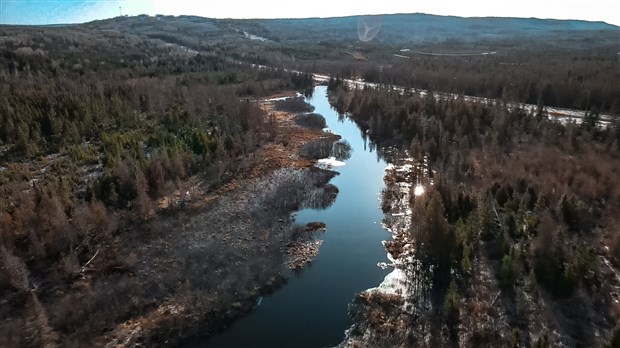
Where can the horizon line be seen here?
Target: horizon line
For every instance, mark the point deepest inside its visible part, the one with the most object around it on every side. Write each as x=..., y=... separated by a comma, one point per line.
x=316, y=17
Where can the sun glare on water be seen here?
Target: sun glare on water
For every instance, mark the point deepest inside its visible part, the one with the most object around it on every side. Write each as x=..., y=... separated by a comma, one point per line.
x=418, y=190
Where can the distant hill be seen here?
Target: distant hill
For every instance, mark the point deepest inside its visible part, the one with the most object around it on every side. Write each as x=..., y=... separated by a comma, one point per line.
x=417, y=27
x=135, y=41
x=395, y=29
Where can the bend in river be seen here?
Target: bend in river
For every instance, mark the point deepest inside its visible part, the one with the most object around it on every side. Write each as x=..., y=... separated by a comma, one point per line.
x=311, y=310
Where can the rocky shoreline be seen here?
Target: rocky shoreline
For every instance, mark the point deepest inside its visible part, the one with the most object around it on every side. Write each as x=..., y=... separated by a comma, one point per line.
x=383, y=315
x=398, y=313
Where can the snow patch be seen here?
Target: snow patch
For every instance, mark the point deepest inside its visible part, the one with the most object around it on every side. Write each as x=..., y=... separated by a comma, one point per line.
x=394, y=283
x=330, y=162
x=277, y=99
x=254, y=37
x=405, y=168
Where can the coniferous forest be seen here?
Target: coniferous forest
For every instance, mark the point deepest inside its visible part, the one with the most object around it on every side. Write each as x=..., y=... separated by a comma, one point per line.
x=531, y=199
x=146, y=184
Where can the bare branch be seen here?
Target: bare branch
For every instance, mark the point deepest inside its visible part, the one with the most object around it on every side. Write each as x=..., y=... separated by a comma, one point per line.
x=84, y=269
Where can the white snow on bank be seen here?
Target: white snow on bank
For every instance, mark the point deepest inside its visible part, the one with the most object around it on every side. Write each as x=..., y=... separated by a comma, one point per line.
x=394, y=283
x=284, y=98
x=330, y=162
x=277, y=99
x=405, y=168
x=408, y=212
x=401, y=210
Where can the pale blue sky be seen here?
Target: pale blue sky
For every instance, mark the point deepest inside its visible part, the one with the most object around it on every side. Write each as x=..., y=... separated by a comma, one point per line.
x=77, y=11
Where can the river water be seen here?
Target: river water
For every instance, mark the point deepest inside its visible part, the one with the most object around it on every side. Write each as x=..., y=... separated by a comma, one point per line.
x=311, y=309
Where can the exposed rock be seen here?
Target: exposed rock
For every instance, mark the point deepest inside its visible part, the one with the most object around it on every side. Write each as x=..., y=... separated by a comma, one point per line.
x=315, y=226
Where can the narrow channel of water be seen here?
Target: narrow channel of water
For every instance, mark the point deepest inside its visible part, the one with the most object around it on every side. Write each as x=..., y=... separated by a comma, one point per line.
x=311, y=310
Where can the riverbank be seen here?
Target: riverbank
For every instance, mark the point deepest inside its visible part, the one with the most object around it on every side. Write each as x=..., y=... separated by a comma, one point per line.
x=501, y=245
x=383, y=316
x=318, y=298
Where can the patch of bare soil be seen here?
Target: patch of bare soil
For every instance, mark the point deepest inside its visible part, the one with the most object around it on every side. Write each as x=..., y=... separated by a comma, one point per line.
x=315, y=226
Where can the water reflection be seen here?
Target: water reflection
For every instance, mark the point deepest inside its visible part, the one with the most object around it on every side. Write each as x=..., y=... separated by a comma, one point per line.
x=311, y=310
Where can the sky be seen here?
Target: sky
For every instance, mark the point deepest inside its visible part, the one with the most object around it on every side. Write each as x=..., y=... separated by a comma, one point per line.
x=78, y=11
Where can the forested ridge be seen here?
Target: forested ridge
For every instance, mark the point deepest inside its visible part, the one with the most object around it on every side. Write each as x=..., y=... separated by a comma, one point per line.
x=568, y=80
x=570, y=64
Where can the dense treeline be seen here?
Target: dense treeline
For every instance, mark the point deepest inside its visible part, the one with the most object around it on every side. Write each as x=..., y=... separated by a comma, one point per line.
x=578, y=81
x=562, y=79
x=145, y=134
x=538, y=199
x=572, y=69
x=42, y=117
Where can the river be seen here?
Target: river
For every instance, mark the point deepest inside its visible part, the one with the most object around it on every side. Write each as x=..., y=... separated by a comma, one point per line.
x=311, y=309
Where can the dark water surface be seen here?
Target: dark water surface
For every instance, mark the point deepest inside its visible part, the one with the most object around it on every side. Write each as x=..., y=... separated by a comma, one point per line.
x=310, y=310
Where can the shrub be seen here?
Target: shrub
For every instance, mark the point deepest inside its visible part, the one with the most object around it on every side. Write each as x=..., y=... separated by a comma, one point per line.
x=575, y=213
x=13, y=271
x=317, y=149
x=452, y=304
x=297, y=104
x=326, y=147
x=614, y=340
x=508, y=269
x=310, y=121
x=561, y=265
x=84, y=153
x=342, y=150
